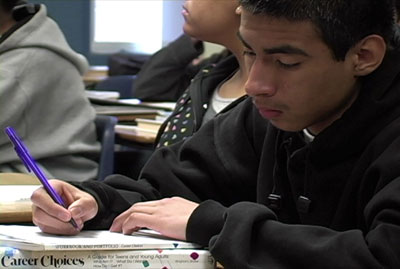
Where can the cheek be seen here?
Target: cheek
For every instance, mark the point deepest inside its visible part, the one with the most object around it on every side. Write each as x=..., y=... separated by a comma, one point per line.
x=338, y=82
x=307, y=91
x=195, y=26
x=324, y=91
x=322, y=81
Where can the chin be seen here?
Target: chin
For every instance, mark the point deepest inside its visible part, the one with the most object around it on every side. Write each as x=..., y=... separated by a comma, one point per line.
x=287, y=127
x=187, y=29
x=193, y=30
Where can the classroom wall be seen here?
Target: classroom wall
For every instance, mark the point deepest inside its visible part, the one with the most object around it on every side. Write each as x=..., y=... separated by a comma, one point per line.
x=73, y=17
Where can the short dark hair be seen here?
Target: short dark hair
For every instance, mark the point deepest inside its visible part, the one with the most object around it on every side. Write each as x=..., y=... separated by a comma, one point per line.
x=341, y=23
x=8, y=5
x=398, y=8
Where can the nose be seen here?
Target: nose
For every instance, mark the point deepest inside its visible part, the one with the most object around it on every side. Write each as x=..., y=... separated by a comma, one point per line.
x=260, y=80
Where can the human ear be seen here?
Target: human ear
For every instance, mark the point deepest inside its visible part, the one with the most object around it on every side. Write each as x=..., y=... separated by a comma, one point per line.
x=238, y=10
x=369, y=54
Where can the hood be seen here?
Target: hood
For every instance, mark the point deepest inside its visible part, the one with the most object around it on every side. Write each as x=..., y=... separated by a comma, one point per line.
x=43, y=32
x=376, y=106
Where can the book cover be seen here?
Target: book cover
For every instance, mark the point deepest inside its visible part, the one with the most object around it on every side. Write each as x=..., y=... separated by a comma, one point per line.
x=122, y=259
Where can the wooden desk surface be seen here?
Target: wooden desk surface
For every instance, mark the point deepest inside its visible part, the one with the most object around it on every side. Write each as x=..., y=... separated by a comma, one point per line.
x=16, y=212
x=140, y=137
x=20, y=211
x=18, y=179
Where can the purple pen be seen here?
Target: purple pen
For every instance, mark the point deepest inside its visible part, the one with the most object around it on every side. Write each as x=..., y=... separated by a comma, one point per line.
x=30, y=164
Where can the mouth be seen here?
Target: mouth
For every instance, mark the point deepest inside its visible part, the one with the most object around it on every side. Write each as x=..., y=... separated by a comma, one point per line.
x=268, y=112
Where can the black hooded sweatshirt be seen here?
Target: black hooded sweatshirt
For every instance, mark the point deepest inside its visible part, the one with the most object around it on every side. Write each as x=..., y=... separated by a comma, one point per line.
x=268, y=199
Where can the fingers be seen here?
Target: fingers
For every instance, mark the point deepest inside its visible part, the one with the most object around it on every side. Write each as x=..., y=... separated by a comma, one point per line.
x=145, y=208
x=52, y=224
x=53, y=218
x=42, y=200
x=168, y=216
x=136, y=221
x=119, y=221
x=84, y=208
x=133, y=221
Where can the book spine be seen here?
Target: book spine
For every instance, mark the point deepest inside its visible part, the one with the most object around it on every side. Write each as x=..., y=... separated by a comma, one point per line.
x=132, y=259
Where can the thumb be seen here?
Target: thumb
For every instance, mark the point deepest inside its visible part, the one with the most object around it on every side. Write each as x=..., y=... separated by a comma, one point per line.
x=84, y=208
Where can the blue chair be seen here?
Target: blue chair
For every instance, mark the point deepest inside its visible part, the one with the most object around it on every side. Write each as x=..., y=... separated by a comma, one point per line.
x=121, y=83
x=106, y=136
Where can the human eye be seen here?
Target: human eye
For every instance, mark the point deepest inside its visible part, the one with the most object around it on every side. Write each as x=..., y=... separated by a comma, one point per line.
x=249, y=53
x=287, y=65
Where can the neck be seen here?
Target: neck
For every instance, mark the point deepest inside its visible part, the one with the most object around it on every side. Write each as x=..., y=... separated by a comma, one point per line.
x=319, y=127
x=236, y=48
x=234, y=87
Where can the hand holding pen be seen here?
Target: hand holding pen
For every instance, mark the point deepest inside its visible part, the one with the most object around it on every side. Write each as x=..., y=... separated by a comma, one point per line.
x=31, y=165
x=52, y=218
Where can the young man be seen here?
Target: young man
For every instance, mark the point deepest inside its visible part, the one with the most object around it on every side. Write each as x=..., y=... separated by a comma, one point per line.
x=42, y=95
x=304, y=174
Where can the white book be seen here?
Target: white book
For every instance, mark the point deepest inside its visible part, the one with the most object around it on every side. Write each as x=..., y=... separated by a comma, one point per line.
x=107, y=95
x=32, y=238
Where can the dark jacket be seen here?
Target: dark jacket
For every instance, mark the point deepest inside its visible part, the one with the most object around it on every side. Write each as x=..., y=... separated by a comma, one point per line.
x=187, y=117
x=167, y=74
x=339, y=203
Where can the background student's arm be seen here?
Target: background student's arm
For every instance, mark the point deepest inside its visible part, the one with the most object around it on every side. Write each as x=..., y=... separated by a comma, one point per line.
x=13, y=103
x=168, y=72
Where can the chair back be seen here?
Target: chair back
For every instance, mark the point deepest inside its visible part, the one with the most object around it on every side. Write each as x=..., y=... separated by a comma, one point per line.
x=106, y=136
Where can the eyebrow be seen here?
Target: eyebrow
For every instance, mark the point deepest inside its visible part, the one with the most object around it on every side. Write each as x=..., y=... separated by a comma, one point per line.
x=285, y=49
x=242, y=40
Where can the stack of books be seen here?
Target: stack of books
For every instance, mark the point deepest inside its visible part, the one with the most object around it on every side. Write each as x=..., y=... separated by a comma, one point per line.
x=127, y=113
x=144, y=130
x=28, y=247
x=128, y=110
x=137, y=121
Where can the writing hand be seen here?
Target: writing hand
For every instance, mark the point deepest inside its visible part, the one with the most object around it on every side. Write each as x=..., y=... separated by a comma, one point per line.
x=51, y=217
x=168, y=216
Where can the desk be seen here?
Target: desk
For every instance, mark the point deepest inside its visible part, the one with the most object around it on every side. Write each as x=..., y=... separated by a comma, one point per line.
x=95, y=74
x=16, y=212
x=21, y=211
x=134, y=134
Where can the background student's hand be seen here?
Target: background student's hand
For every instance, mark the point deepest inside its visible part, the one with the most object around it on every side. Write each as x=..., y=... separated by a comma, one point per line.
x=53, y=218
x=168, y=216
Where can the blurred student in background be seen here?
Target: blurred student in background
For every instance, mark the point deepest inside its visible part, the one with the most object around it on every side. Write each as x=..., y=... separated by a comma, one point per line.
x=169, y=71
x=42, y=95
x=218, y=84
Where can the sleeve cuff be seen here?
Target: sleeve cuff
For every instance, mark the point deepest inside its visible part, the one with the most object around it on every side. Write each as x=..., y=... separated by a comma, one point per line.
x=206, y=221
